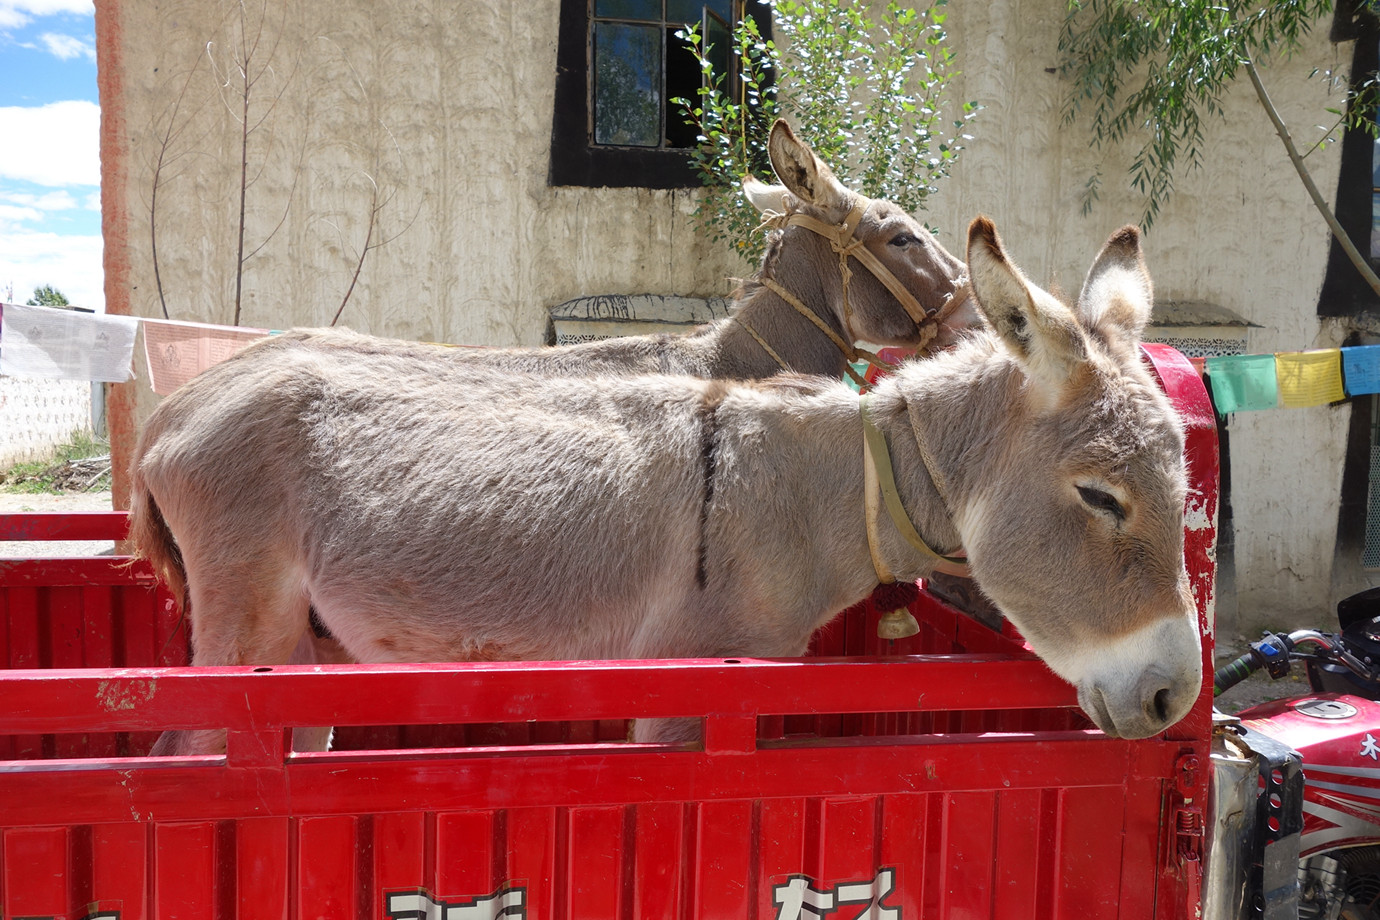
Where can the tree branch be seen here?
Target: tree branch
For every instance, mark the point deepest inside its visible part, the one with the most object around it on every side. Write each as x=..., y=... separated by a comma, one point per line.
x=1338, y=233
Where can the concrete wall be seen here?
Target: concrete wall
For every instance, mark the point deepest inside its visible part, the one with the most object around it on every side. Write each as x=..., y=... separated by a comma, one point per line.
x=436, y=119
x=38, y=416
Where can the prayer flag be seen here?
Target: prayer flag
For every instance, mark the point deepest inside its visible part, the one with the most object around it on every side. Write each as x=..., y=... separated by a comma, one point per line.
x=1361, y=367
x=1309, y=378
x=176, y=352
x=66, y=344
x=1242, y=382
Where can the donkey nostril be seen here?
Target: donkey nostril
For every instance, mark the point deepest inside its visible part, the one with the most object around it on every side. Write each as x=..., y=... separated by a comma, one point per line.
x=1160, y=704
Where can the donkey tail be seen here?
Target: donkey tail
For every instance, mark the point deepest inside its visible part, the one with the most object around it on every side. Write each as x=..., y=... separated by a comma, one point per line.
x=153, y=541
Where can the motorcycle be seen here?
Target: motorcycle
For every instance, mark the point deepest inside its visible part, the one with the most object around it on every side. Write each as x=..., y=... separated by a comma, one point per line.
x=1296, y=781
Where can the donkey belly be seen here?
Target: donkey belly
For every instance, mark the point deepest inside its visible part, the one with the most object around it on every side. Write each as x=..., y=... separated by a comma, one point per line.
x=532, y=535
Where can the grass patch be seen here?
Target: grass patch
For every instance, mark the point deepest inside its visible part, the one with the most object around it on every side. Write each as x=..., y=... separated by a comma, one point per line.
x=82, y=465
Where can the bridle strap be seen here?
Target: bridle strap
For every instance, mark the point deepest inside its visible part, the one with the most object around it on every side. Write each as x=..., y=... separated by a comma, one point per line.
x=879, y=478
x=850, y=351
x=842, y=240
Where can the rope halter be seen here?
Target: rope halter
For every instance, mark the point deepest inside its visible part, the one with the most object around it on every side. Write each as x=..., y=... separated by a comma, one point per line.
x=845, y=243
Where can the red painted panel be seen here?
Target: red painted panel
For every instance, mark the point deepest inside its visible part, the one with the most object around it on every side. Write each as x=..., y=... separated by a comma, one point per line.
x=781, y=847
x=846, y=830
x=262, y=861
x=533, y=846
x=968, y=842
x=326, y=878
x=659, y=861
x=35, y=872
x=724, y=833
x=594, y=863
x=1085, y=862
x=468, y=845
x=184, y=873
x=120, y=868
x=400, y=856
x=902, y=848
x=22, y=626
x=64, y=613
x=65, y=525
x=1016, y=879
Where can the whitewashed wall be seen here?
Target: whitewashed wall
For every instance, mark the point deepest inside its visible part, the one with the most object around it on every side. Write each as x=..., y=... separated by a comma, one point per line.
x=446, y=109
x=37, y=416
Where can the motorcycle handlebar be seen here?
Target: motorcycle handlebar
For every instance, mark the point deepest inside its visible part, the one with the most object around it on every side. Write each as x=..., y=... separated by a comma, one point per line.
x=1233, y=673
x=1273, y=652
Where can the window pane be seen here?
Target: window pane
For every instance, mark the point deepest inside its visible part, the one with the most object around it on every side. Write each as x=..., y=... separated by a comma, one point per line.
x=682, y=82
x=627, y=85
x=718, y=39
x=628, y=9
x=687, y=11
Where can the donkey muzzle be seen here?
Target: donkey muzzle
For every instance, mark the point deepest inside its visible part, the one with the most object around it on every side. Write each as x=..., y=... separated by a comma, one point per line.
x=1145, y=682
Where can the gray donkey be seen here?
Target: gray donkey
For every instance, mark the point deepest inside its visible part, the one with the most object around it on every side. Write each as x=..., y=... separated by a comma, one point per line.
x=429, y=510
x=841, y=268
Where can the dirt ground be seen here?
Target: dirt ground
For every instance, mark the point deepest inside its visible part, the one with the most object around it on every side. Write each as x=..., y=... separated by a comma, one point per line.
x=73, y=501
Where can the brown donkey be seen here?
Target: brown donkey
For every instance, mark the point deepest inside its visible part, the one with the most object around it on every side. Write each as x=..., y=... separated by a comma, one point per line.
x=427, y=509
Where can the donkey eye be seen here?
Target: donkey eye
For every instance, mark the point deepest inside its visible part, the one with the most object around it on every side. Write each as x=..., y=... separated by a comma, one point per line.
x=904, y=239
x=1099, y=500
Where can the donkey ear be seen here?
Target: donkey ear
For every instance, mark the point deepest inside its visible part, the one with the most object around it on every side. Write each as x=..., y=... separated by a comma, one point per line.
x=802, y=172
x=1117, y=294
x=1038, y=329
x=765, y=197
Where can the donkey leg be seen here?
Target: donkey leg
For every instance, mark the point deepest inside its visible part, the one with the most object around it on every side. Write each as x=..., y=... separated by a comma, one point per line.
x=251, y=614
x=316, y=649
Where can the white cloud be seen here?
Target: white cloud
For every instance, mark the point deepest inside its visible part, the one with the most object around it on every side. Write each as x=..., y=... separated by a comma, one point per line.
x=51, y=201
x=11, y=214
x=16, y=13
x=56, y=144
x=66, y=47
x=72, y=264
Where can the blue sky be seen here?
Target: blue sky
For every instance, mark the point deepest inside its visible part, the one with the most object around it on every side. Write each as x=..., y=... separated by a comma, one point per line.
x=50, y=220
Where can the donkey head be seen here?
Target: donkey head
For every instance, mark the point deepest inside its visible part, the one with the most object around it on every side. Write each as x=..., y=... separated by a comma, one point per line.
x=1075, y=528
x=903, y=246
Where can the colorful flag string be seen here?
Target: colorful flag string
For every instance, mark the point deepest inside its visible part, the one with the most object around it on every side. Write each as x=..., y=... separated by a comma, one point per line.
x=1293, y=379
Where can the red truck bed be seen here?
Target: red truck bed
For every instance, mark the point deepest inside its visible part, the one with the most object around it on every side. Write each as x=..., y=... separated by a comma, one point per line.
x=947, y=776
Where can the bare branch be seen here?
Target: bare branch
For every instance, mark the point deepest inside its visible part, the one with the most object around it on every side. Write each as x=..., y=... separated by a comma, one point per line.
x=374, y=208
x=168, y=136
x=1338, y=233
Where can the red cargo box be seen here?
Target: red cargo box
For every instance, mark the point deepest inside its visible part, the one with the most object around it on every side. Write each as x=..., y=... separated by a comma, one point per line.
x=946, y=776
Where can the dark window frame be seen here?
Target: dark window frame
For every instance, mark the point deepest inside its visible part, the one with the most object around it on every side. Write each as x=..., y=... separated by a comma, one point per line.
x=575, y=159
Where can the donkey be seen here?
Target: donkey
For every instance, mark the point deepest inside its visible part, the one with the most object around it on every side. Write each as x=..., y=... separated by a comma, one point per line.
x=840, y=268
x=425, y=510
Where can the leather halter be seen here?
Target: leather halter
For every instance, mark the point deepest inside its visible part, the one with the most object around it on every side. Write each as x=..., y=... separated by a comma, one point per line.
x=879, y=486
x=842, y=240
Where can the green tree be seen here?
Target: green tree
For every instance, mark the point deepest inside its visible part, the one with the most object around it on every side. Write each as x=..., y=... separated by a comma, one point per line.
x=1153, y=71
x=868, y=96
x=47, y=296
